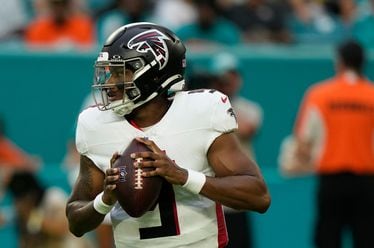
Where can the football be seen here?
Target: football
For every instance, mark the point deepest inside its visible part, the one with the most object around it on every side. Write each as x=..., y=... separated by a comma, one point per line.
x=135, y=194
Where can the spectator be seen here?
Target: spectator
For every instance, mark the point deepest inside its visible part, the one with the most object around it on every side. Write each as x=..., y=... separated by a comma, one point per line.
x=260, y=20
x=97, y=5
x=210, y=28
x=61, y=28
x=249, y=116
x=13, y=158
x=13, y=19
x=124, y=12
x=333, y=137
x=185, y=9
x=40, y=215
x=363, y=28
x=321, y=21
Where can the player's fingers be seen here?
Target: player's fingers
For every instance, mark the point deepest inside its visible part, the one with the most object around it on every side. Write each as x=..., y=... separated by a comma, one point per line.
x=151, y=173
x=111, y=179
x=156, y=161
x=111, y=171
x=145, y=155
x=110, y=182
x=109, y=186
x=115, y=156
x=145, y=164
x=152, y=145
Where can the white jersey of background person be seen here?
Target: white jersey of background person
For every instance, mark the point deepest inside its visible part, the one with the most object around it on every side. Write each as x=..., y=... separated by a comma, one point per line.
x=194, y=120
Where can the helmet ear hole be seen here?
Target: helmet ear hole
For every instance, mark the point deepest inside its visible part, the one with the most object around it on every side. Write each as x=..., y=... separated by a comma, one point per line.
x=133, y=93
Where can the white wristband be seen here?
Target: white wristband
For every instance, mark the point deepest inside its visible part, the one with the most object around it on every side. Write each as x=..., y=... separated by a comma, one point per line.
x=195, y=181
x=100, y=206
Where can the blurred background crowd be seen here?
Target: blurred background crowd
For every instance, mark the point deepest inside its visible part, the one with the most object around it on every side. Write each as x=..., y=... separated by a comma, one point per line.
x=225, y=41
x=62, y=24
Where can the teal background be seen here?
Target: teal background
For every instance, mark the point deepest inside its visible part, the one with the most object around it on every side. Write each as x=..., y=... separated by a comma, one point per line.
x=41, y=95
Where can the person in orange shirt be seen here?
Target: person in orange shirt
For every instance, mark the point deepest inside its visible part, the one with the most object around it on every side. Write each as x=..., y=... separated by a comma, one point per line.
x=13, y=158
x=62, y=27
x=334, y=137
x=11, y=155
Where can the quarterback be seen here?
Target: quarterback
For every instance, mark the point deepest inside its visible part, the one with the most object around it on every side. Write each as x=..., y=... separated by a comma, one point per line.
x=138, y=88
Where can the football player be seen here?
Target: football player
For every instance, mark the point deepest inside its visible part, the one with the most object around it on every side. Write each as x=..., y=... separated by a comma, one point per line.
x=139, y=86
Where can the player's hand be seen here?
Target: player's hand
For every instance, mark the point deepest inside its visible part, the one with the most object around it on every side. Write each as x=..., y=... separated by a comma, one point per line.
x=164, y=166
x=111, y=178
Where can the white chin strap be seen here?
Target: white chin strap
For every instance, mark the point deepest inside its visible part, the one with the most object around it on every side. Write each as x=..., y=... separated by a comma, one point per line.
x=120, y=108
x=126, y=106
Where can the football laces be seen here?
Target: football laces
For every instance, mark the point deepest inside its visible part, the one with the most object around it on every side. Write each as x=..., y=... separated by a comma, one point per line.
x=138, y=176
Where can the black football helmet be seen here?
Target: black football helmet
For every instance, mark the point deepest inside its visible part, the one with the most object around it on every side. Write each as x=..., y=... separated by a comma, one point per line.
x=154, y=54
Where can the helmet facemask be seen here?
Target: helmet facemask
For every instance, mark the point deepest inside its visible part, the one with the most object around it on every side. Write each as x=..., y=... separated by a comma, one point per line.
x=111, y=79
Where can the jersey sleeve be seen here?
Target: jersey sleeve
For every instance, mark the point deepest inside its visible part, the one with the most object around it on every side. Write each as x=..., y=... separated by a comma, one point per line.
x=97, y=140
x=84, y=137
x=223, y=118
x=80, y=137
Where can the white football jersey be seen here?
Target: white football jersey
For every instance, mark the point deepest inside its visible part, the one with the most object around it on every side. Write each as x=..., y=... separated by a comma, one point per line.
x=181, y=219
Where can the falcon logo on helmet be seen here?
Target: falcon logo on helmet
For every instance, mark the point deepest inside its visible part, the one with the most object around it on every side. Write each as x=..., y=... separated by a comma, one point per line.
x=154, y=41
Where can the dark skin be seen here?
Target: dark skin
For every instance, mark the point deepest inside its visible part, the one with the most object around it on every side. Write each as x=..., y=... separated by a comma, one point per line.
x=238, y=183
